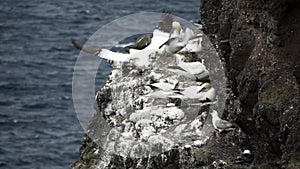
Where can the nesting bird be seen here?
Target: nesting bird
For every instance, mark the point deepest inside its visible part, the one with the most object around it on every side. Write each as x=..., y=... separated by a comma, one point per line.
x=207, y=92
x=195, y=68
x=191, y=70
x=219, y=124
x=202, y=93
x=245, y=157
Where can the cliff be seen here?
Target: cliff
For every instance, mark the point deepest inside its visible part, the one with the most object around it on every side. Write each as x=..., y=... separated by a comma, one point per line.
x=258, y=41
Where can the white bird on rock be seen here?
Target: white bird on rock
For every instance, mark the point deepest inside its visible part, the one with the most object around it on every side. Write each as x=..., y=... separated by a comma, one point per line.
x=207, y=93
x=202, y=93
x=192, y=70
x=192, y=67
x=219, y=124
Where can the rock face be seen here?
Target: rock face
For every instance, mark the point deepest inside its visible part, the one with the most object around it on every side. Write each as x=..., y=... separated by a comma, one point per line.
x=259, y=40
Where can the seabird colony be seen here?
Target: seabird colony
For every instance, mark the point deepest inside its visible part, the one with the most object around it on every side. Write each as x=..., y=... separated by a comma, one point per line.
x=152, y=89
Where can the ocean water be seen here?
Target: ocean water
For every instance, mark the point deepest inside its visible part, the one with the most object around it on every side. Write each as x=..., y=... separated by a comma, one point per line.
x=38, y=124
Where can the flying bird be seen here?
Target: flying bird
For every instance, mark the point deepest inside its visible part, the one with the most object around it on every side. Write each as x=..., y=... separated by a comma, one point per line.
x=160, y=36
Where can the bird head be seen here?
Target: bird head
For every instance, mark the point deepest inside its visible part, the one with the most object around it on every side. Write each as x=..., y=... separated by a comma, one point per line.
x=176, y=84
x=214, y=113
x=176, y=26
x=207, y=86
x=204, y=87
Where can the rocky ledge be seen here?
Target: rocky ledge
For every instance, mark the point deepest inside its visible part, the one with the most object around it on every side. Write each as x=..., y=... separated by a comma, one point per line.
x=139, y=124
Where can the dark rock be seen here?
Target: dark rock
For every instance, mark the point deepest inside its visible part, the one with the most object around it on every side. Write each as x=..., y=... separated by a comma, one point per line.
x=263, y=69
x=297, y=73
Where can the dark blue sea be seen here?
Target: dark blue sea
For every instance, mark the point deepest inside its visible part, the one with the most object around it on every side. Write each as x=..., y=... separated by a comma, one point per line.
x=39, y=128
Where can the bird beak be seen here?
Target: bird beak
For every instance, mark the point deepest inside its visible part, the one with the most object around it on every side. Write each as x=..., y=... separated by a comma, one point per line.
x=201, y=90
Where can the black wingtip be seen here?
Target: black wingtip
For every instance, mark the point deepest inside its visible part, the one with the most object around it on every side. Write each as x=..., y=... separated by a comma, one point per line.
x=152, y=87
x=161, y=46
x=76, y=45
x=93, y=51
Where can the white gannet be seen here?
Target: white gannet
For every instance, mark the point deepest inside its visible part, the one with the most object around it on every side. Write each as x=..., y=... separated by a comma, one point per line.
x=192, y=70
x=202, y=93
x=192, y=67
x=245, y=157
x=103, y=53
x=207, y=93
x=189, y=92
x=140, y=57
x=181, y=72
x=219, y=124
x=160, y=36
